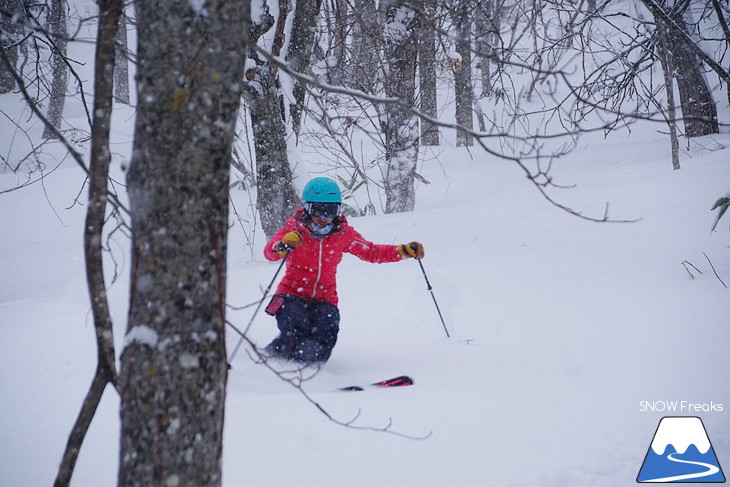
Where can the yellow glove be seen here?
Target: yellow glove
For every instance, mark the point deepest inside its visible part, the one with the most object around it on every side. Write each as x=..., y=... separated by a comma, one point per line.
x=413, y=249
x=289, y=241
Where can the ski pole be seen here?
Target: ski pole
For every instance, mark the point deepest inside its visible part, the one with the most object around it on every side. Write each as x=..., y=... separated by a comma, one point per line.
x=263, y=298
x=428, y=284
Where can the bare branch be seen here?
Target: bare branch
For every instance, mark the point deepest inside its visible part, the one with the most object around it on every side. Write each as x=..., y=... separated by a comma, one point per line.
x=713, y=270
x=298, y=376
x=98, y=174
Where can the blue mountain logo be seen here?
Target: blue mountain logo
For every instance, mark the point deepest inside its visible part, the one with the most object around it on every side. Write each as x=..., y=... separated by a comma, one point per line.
x=680, y=452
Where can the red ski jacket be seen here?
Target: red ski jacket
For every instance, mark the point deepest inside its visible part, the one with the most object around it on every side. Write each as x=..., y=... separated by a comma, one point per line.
x=311, y=268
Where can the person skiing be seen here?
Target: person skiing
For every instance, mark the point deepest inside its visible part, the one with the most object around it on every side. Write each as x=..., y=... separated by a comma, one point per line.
x=312, y=241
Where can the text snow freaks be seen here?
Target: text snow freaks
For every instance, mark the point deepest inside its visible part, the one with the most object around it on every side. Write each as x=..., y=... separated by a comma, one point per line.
x=679, y=407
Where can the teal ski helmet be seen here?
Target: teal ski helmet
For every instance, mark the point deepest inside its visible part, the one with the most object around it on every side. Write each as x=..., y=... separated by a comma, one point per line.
x=322, y=190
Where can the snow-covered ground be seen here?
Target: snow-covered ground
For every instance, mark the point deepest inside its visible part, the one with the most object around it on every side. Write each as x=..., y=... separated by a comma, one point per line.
x=562, y=331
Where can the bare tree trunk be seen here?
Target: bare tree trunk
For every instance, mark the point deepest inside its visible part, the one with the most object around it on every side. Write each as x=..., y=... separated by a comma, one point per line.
x=98, y=176
x=484, y=35
x=464, y=93
x=58, y=30
x=276, y=196
x=299, y=54
x=11, y=24
x=337, y=57
x=400, y=125
x=427, y=71
x=121, y=63
x=719, y=12
x=667, y=69
x=698, y=106
x=174, y=369
x=367, y=28
x=81, y=426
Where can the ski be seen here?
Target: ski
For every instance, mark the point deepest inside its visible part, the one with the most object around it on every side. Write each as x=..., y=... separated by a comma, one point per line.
x=400, y=381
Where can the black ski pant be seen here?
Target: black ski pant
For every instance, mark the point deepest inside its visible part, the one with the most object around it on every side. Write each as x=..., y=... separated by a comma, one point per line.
x=307, y=330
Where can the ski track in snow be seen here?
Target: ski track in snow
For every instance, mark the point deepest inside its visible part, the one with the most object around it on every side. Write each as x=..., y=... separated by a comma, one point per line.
x=560, y=327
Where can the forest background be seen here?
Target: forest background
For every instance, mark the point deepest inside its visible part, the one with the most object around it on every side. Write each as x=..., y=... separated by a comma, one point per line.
x=238, y=98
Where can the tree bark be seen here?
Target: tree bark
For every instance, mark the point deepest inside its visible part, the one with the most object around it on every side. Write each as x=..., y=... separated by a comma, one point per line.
x=277, y=199
x=485, y=32
x=698, y=106
x=100, y=159
x=58, y=30
x=668, y=69
x=121, y=63
x=299, y=55
x=427, y=72
x=11, y=24
x=174, y=368
x=337, y=55
x=81, y=426
x=464, y=93
x=98, y=175
x=400, y=125
x=363, y=69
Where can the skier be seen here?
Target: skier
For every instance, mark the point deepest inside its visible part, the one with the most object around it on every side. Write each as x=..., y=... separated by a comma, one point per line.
x=313, y=241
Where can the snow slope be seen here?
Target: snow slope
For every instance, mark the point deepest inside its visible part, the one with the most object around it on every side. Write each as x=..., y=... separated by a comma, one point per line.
x=560, y=328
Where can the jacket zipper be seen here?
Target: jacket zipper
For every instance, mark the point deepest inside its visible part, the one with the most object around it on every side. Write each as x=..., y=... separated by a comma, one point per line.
x=319, y=269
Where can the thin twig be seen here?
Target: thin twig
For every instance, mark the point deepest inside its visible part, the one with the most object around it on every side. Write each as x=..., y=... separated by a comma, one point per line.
x=299, y=378
x=713, y=269
x=238, y=308
x=691, y=276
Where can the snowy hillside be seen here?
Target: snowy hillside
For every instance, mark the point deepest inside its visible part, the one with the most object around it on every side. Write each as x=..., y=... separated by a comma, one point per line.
x=570, y=339
x=560, y=328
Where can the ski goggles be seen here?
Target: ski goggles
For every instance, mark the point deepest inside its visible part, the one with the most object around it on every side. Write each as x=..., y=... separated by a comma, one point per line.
x=322, y=210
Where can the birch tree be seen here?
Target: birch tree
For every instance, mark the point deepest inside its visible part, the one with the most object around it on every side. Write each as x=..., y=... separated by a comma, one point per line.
x=400, y=125
x=58, y=35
